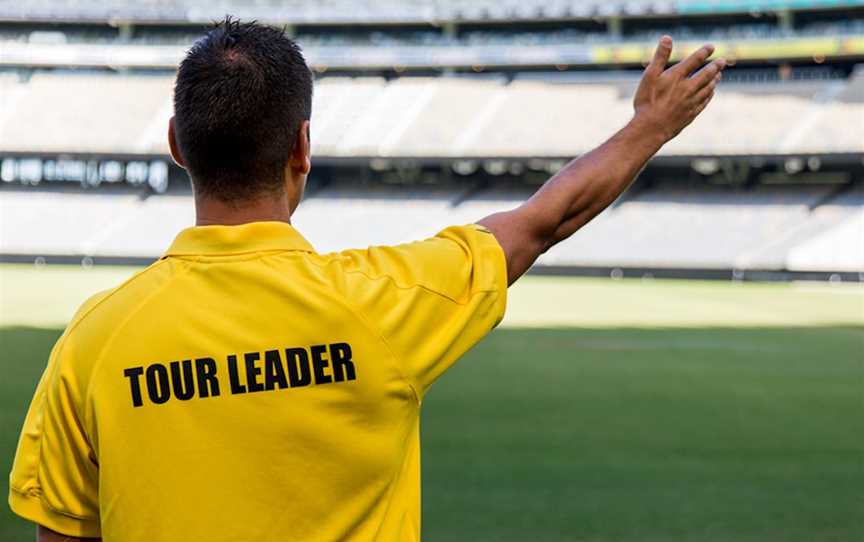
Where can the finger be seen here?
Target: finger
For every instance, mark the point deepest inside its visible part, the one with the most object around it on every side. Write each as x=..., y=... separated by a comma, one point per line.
x=706, y=90
x=696, y=59
x=701, y=107
x=708, y=74
x=661, y=56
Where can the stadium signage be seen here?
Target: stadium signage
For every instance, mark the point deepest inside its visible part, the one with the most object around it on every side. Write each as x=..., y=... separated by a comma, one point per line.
x=754, y=49
x=89, y=173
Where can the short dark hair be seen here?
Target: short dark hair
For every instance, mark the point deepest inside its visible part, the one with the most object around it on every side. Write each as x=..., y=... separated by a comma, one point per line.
x=240, y=97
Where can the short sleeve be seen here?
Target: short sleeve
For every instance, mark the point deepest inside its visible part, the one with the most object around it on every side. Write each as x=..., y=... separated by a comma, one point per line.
x=54, y=479
x=431, y=300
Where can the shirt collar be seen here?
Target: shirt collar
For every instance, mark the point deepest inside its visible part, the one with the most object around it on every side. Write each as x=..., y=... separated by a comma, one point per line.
x=244, y=238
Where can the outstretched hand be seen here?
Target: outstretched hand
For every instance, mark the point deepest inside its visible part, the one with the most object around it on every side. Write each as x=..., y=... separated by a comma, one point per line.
x=668, y=100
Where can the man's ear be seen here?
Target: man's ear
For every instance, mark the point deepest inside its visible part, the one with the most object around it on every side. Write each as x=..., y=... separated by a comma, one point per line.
x=172, y=144
x=301, y=155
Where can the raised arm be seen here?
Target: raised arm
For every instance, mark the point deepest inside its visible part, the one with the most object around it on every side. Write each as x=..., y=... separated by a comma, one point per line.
x=666, y=101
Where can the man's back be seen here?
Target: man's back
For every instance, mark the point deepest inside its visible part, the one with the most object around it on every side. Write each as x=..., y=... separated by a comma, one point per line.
x=245, y=388
x=254, y=389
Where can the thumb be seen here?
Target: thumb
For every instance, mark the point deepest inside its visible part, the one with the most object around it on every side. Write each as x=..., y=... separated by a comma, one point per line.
x=661, y=56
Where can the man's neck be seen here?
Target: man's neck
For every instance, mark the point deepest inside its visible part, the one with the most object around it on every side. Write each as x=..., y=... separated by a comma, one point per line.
x=271, y=207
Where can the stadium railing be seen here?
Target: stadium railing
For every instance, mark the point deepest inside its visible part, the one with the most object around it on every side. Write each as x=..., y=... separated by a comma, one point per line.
x=766, y=228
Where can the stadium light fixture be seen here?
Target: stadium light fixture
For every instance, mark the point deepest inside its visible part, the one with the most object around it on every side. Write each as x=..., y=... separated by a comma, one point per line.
x=554, y=166
x=380, y=164
x=705, y=166
x=516, y=168
x=465, y=167
x=793, y=165
x=495, y=167
x=537, y=164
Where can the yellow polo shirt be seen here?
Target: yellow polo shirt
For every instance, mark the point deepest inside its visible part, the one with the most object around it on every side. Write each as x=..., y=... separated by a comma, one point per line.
x=246, y=388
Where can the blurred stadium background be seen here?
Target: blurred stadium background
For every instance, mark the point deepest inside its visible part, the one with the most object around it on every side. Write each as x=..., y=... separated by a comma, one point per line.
x=623, y=408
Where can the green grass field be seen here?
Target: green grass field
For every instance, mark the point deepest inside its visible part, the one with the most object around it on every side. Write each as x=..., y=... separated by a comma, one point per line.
x=599, y=411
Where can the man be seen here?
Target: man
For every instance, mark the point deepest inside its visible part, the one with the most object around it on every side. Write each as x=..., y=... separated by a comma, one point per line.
x=246, y=388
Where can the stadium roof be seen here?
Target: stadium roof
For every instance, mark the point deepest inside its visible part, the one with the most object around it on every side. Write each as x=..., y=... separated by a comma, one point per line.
x=385, y=11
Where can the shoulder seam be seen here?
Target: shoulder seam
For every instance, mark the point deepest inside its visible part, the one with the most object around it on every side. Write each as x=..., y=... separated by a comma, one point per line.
x=61, y=345
x=411, y=286
x=118, y=328
x=113, y=291
x=362, y=316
